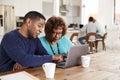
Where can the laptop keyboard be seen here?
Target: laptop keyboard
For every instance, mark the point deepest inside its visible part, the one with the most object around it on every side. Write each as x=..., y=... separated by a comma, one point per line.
x=64, y=58
x=61, y=64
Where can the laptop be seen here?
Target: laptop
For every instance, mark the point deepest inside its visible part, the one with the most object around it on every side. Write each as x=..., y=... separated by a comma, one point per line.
x=74, y=56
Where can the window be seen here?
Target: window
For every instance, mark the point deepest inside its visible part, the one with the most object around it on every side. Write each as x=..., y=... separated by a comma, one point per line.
x=117, y=12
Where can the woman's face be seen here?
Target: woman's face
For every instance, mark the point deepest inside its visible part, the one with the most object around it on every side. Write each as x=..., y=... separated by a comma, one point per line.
x=57, y=34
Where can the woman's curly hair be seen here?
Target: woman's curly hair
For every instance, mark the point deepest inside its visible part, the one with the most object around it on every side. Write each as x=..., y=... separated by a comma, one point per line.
x=52, y=23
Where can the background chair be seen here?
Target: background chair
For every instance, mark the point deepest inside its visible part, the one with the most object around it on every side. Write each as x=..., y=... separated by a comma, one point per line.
x=91, y=40
x=102, y=39
x=73, y=36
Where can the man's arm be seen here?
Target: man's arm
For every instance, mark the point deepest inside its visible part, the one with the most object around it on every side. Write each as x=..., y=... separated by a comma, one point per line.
x=16, y=52
x=40, y=50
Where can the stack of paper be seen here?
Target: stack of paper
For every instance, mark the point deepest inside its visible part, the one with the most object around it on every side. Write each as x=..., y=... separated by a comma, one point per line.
x=18, y=76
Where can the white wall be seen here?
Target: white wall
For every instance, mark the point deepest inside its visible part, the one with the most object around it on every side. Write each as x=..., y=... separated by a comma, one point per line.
x=105, y=9
x=106, y=12
x=23, y=6
x=7, y=2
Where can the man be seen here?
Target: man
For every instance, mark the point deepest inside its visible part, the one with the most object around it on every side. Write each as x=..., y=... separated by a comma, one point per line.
x=22, y=45
x=100, y=29
x=90, y=27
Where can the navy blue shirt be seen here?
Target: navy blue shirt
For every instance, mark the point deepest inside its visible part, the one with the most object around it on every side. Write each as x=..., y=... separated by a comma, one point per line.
x=27, y=52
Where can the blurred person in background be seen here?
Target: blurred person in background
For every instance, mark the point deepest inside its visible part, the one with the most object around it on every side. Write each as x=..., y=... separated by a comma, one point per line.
x=100, y=29
x=89, y=27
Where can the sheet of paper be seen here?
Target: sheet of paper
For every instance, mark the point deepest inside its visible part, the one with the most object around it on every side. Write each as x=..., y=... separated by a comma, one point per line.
x=18, y=76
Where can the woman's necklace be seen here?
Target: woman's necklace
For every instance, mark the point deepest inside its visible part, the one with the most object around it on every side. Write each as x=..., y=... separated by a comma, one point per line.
x=53, y=50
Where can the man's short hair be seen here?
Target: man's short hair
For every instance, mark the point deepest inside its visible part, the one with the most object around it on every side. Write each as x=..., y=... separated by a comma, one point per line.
x=33, y=15
x=91, y=19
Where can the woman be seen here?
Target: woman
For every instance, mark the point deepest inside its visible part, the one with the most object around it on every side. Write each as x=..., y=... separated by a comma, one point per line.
x=55, y=41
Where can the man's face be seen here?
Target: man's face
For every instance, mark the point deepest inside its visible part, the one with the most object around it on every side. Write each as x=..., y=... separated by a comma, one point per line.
x=35, y=27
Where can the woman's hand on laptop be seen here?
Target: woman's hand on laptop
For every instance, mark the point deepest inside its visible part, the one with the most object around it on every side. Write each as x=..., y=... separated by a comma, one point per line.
x=58, y=58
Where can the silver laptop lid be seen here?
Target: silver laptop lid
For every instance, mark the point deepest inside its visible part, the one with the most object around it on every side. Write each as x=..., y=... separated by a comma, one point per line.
x=75, y=53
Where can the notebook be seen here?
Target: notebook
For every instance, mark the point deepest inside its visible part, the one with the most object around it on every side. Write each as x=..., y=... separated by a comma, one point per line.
x=74, y=56
x=18, y=76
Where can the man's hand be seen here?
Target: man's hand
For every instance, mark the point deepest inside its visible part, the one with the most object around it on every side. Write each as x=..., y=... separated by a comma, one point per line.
x=58, y=58
x=17, y=66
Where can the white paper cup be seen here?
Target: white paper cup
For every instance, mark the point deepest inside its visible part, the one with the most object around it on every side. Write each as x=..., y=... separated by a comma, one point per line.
x=85, y=60
x=49, y=69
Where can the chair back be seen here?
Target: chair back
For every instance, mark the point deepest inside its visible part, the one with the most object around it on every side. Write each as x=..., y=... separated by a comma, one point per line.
x=73, y=35
x=91, y=37
x=102, y=39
